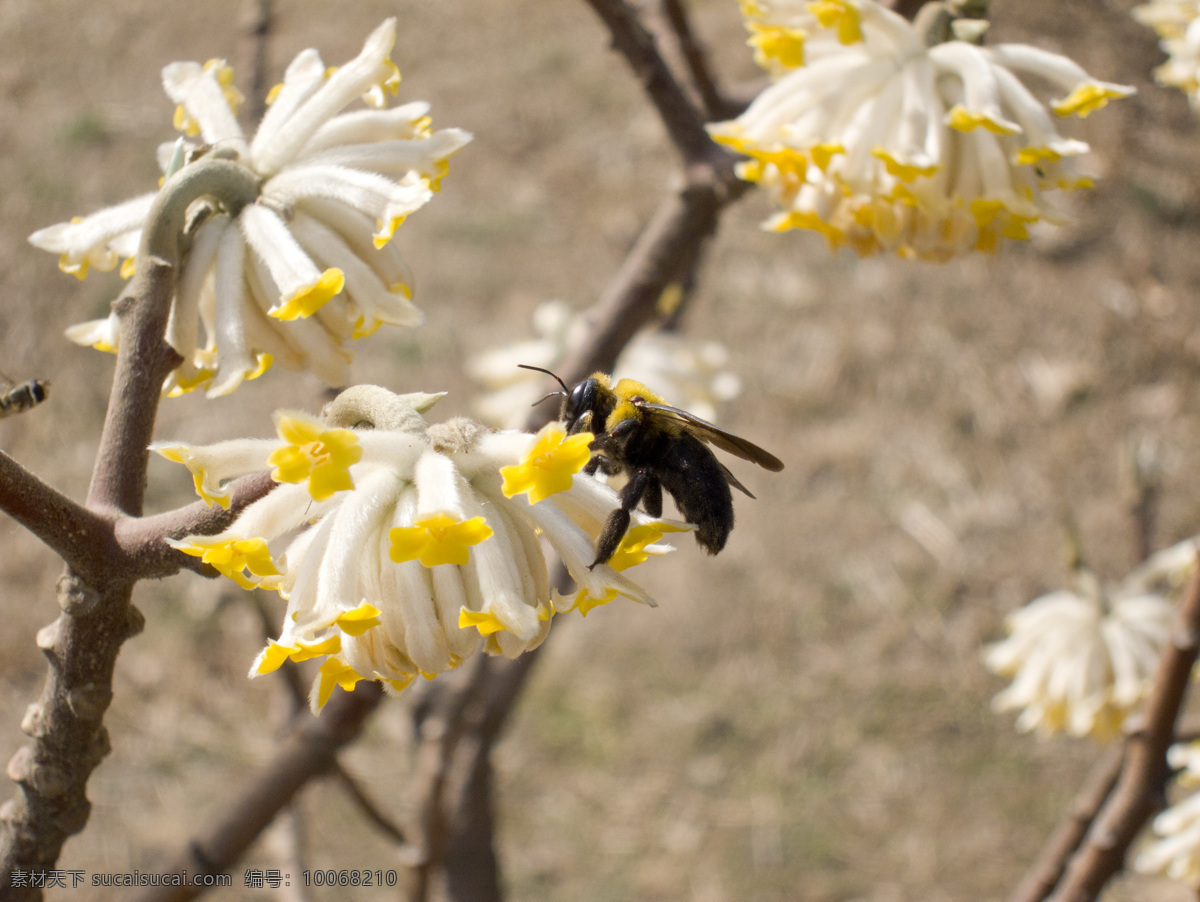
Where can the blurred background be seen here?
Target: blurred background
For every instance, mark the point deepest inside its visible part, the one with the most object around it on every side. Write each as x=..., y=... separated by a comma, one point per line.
x=805, y=717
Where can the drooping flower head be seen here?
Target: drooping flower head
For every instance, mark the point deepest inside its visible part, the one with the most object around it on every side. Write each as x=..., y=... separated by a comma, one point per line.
x=310, y=264
x=1177, y=23
x=692, y=373
x=1082, y=659
x=404, y=547
x=1177, y=852
x=884, y=137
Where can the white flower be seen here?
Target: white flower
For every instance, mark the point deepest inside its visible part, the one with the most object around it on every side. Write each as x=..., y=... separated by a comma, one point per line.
x=1177, y=23
x=313, y=251
x=691, y=374
x=403, y=547
x=1177, y=854
x=1081, y=660
x=882, y=143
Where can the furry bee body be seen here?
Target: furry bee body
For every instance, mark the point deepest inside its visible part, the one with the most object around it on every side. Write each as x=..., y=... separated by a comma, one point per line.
x=19, y=398
x=659, y=447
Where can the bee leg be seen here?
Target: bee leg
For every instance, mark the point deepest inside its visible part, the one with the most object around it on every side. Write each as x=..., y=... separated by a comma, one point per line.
x=652, y=500
x=600, y=463
x=618, y=521
x=583, y=424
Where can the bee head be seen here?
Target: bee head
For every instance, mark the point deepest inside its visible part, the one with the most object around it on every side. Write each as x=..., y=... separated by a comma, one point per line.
x=581, y=399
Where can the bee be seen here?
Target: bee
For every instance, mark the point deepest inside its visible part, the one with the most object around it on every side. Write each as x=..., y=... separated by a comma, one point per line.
x=20, y=398
x=658, y=447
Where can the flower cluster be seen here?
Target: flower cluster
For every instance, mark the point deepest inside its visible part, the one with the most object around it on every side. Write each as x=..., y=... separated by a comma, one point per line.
x=1081, y=660
x=1177, y=23
x=691, y=373
x=313, y=251
x=404, y=547
x=884, y=136
x=1177, y=853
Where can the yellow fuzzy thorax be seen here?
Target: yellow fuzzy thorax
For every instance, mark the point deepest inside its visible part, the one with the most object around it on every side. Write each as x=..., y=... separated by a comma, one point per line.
x=626, y=390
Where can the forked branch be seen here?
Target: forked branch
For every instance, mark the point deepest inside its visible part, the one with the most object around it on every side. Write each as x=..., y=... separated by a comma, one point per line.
x=1140, y=789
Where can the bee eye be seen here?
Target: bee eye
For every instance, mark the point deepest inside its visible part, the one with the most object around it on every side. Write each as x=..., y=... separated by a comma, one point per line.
x=575, y=403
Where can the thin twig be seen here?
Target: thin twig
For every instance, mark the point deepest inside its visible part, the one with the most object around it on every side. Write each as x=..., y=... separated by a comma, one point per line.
x=438, y=723
x=1041, y=879
x=1140, y=790
x=260, y=19
x=312, y=751
x=682, y=223
x=633, y=40
x=703, y=80
x=370, y=810
x=470, y=864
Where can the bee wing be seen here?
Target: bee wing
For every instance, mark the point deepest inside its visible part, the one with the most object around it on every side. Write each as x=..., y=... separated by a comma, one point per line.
x=733, y=480
x=707, y=432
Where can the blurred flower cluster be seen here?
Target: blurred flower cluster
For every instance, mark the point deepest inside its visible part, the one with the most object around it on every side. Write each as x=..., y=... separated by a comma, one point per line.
x=404, y=547
x=888, y=135
x=1177, y=23
x=1177, y=853
x=691, y=374
x=309, y=265
x=1082, y=659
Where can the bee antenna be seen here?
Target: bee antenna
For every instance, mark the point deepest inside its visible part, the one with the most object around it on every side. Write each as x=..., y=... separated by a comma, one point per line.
x=544, y=397
x=538, y=369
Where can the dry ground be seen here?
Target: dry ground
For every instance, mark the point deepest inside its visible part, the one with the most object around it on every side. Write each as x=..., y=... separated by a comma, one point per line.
x=805, y=717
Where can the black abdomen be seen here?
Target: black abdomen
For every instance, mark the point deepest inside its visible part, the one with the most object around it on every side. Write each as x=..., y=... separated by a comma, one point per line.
x=695, y=479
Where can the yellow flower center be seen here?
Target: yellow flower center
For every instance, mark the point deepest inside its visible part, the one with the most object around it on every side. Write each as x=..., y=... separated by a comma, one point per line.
x=550, y=465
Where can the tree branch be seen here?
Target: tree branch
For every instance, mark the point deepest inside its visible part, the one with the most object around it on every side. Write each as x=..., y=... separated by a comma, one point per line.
x=310, y=752
x=141, y=539
x=1041, y=879
x=80, y=537
x=680, y=226
x=69, y=739
x=1139, y=792
x=632, y=40
x=716, y=106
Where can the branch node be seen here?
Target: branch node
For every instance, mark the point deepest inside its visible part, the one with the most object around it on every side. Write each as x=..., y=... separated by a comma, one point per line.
x=89, y=702
x=135, y=622
x=34, y=722
x=47, y=638
x=76, y=597
x=45, y=779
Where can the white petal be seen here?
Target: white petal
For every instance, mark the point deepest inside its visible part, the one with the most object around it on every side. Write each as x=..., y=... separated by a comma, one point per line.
x=345, y=85
x=367, y=126
x=199, y=93
x=304, y=75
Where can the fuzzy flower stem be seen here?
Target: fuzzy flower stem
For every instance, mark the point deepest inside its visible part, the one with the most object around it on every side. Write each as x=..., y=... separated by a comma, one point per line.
x=1139, y=791
x=145, y=359
x=231, y=185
